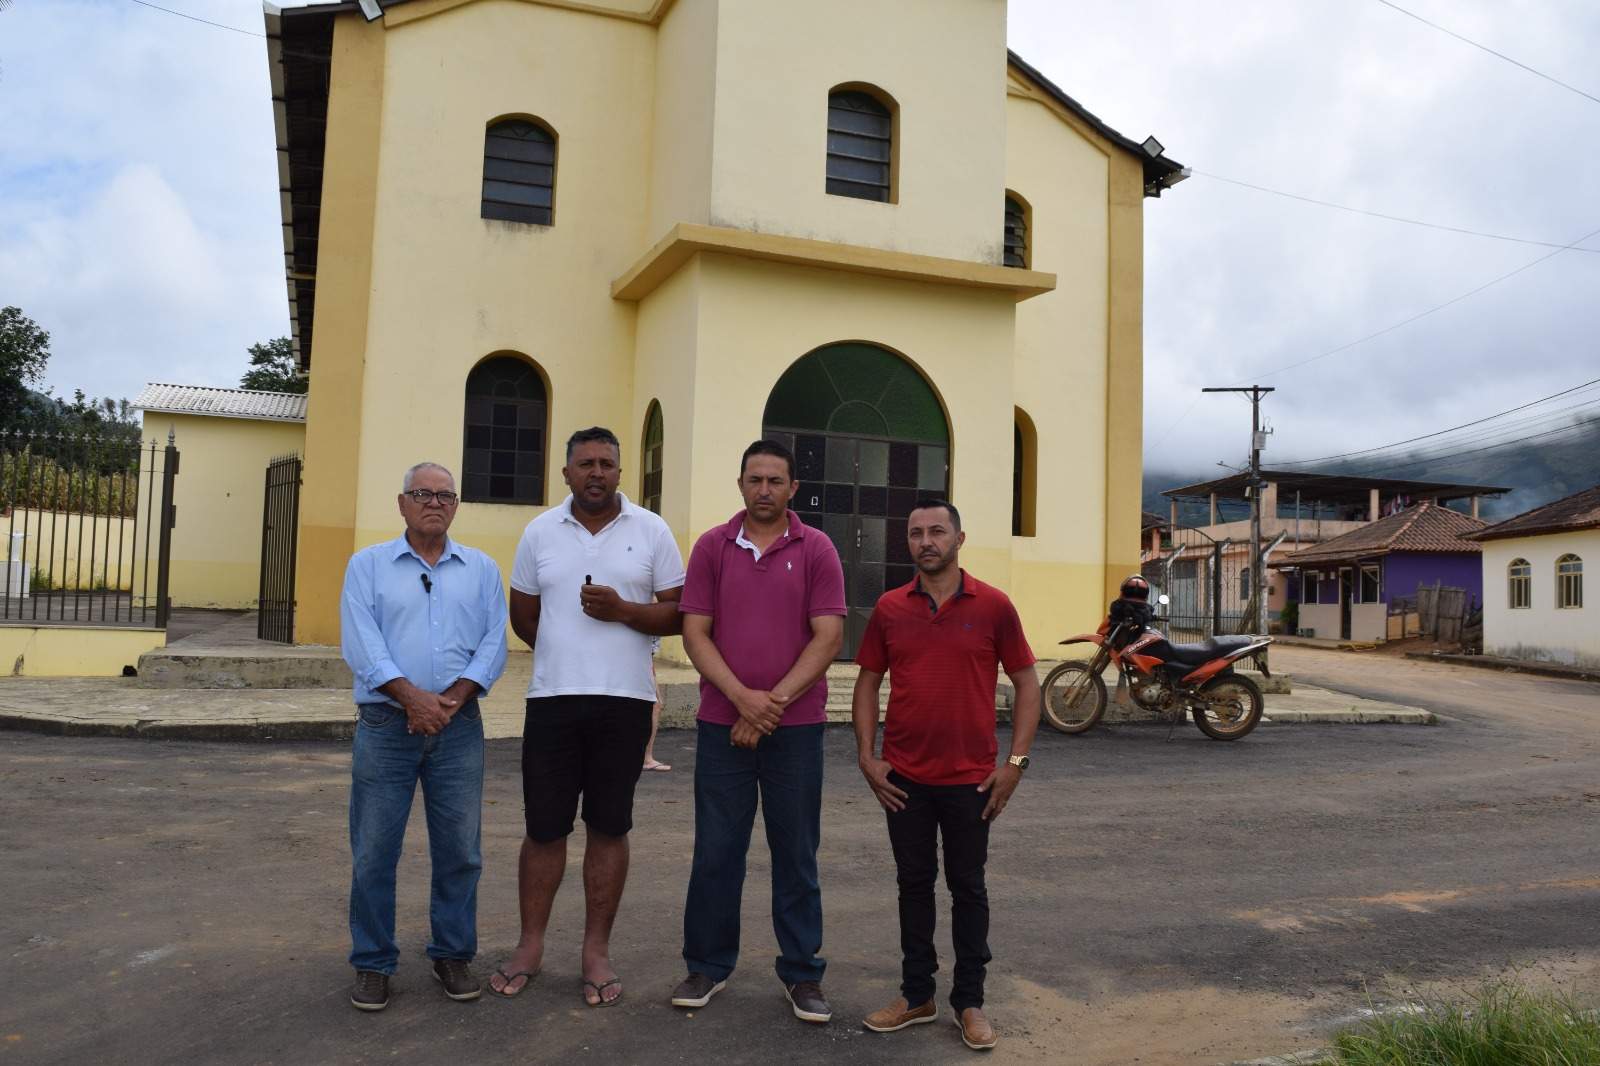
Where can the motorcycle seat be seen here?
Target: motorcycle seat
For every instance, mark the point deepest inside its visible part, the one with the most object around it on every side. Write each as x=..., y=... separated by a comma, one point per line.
x=1203, y=652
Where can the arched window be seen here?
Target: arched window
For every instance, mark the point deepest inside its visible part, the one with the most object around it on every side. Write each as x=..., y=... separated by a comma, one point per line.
x=861, y=144
x=1016, y=238
x=504, y=453
x=519, y=172
x=1024, y=475
x=650, y=482
x=1569, y=581
x=1519, y=585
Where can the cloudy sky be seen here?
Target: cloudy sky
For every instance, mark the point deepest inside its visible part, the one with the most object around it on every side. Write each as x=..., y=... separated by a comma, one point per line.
x=139, y=224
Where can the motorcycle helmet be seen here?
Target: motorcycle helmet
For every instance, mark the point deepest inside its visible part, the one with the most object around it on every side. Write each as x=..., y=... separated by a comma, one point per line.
x=1136, y=588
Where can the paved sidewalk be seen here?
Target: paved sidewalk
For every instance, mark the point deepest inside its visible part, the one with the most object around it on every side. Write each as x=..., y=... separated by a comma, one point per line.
x=124, y=707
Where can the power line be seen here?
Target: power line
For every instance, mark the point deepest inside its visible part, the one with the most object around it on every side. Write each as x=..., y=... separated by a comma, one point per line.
x=1388, y=217
x=1445, y=449
x=1491, y=51
x=1488, y=448
x=1260, y=375
x=196, y=18
x=1442, y=432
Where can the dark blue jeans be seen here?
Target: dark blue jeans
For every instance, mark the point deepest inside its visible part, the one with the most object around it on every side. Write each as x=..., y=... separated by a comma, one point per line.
x=786, y=770
x=386, y=762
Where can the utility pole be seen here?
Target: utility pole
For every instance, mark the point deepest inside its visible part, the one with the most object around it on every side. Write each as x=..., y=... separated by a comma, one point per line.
x=1258, y=441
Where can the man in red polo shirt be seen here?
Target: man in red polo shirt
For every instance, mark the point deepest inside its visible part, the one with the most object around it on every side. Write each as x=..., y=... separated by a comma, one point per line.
x=942, y=640
x=763, y=616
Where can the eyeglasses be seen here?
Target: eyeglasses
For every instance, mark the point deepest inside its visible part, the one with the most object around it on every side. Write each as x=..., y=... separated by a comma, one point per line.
x=426, y=496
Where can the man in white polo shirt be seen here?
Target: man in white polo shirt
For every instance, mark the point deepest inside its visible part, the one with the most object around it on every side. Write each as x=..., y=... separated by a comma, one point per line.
x=594, y=579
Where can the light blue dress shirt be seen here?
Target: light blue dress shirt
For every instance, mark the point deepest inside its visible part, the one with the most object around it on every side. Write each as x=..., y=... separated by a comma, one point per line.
x=431, y=633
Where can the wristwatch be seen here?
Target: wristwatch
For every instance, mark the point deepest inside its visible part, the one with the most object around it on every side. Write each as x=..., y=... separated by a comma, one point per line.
x=1019, y=761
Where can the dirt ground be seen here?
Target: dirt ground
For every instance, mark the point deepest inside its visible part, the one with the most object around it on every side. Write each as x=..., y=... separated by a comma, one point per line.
x=1158, y=903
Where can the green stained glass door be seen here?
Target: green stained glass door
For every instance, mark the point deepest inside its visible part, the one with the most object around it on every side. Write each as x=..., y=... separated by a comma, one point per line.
x=869, y=438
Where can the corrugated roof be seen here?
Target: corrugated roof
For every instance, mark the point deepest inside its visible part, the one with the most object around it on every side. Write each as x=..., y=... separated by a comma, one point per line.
x=1581, y=510
x=222, y=403
x=1427, y=527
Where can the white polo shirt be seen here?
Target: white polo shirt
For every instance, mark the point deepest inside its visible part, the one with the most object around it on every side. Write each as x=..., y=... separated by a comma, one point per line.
x=575, y=654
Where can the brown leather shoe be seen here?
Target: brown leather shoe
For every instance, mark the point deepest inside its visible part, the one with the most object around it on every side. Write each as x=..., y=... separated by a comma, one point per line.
x=976, y=1032
x=898, y=1015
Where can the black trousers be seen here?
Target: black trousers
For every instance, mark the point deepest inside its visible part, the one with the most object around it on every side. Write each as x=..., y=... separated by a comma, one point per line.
x=955, y=813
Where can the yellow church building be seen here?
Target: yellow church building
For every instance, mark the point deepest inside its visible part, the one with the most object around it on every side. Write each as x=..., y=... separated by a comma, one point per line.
x=862, y=227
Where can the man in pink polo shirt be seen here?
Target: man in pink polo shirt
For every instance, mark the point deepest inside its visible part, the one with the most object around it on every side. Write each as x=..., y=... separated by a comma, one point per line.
x=763, y=616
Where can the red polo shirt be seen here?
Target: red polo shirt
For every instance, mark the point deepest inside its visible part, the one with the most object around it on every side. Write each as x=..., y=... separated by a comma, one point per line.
x=761, y=610
x=943, y=667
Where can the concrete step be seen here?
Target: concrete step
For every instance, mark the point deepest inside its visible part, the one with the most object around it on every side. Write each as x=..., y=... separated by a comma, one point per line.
x=290, y=668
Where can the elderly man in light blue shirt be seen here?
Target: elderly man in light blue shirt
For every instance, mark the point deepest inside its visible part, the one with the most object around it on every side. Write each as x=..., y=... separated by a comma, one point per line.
x=424, y=632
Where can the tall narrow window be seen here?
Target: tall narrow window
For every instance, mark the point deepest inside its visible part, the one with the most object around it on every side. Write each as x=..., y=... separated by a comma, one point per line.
x=860, y=146
x=650, y=484
x=1519, y=585
x=1371, y=585
x=1016, y=242
x=1024, y=475
x=1309, y=586
x=1569, y=581
x=519, y=172
x=503, y=460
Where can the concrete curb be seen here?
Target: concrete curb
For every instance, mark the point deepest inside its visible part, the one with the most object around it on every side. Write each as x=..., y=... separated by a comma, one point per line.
x=1397, y=716
x=1510, y=666
x=239, y=730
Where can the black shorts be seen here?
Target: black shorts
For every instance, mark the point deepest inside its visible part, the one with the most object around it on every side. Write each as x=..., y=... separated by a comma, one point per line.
x=593, y=745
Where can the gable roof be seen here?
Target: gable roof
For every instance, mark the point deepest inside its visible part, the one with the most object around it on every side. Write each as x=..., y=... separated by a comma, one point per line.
x=1581, y=510
x=1427, y=527
x=222, y=403
x=1159, y=171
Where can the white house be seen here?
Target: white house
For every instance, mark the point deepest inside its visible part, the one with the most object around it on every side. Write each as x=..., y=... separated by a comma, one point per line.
x=1533, y=566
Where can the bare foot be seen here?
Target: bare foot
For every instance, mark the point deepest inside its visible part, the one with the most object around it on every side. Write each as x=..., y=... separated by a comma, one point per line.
x=518, y=971
x=601, y=985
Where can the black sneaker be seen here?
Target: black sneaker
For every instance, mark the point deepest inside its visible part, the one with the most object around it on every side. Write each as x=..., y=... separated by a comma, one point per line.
x=696, y=990
x=459, y=984
x=809, y=1004
x=371, y=991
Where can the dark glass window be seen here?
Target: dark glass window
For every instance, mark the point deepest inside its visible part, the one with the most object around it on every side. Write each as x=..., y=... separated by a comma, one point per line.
x=1016, y=233
x=519, y=172
x=860, y=146
x=654, y=432
x=503, y=457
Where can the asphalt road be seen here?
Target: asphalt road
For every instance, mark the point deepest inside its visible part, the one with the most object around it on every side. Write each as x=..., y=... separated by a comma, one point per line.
x=1153, y=902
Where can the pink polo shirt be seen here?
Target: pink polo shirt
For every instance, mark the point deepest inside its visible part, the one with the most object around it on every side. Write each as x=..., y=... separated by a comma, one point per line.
x=761, y=610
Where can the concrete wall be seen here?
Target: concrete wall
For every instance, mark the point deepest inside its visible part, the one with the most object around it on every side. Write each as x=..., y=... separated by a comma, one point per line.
x=1322, y=617
x=1540, y=631
x=1368, y=621
x=216, y=543
x=73, y=651
x=81, y=552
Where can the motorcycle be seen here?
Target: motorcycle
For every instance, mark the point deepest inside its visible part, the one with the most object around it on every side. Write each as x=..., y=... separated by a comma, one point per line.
x=1161, y=676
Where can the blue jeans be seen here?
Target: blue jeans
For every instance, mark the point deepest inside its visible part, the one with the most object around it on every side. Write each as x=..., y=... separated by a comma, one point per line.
x=786, y=769
x=386, y=762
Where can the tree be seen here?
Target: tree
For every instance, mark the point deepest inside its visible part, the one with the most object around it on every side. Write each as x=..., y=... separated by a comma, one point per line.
x=24, y=351
x=272, y=368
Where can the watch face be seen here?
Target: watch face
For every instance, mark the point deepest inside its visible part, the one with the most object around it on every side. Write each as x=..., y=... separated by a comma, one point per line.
x=1020, y=762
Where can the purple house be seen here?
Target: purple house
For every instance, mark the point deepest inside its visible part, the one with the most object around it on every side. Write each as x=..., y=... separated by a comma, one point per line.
x=1344, y=586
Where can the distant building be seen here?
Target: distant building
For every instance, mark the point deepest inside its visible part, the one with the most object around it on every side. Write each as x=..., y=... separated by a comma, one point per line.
x=1207, y=564
x=1345, y=585
x=1533, y=570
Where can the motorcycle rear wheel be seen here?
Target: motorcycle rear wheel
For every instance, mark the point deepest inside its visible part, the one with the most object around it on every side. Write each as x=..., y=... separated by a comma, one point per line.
x=1233, y=707
x=1074, y=697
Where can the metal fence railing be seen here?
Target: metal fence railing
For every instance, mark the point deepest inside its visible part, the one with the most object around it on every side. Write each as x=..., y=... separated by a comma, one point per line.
x=87, y=521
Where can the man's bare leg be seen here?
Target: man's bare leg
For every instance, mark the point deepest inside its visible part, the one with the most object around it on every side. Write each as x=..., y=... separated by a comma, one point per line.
x=539, y=871
x=605, y=872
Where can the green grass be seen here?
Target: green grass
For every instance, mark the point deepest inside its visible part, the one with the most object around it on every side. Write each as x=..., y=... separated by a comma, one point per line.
x=1503, y=1024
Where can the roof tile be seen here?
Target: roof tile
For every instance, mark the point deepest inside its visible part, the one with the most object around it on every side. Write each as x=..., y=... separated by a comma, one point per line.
x=222, y=403
x=1426, y=527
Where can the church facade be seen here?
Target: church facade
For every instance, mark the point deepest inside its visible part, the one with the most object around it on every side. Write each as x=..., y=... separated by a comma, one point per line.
x=882, y=239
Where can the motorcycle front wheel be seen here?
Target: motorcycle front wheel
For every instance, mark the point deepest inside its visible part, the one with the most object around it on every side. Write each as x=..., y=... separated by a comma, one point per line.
x=1231, y=706
x=1074, y=697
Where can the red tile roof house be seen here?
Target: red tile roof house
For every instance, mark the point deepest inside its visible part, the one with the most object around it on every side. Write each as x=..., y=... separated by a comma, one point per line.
x=1345, y=585
x=1533, y=569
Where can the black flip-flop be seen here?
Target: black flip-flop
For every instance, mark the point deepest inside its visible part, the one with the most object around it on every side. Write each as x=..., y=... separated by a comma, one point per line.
x=510, y=977
x=600, y=992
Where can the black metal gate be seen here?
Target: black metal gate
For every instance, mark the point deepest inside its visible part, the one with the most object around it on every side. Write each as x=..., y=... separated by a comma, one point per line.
x=280, y=522
x=1207, y=582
